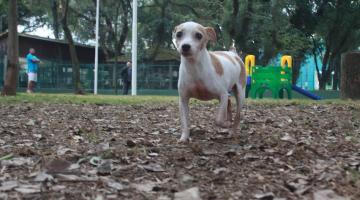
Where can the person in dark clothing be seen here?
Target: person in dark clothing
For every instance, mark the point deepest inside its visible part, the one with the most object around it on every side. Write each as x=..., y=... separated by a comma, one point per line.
x=126, y=77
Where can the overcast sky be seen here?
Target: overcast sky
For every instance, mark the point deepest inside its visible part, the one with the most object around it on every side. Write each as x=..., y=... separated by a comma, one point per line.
x=42, y=32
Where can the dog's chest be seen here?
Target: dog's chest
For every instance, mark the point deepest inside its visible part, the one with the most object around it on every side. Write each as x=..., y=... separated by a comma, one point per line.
x=199, y=91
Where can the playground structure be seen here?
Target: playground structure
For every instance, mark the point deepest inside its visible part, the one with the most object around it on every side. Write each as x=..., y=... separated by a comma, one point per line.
x=276, y=79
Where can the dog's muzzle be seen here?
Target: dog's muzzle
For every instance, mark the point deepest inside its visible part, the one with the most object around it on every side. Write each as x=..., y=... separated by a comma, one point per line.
x=186, y=50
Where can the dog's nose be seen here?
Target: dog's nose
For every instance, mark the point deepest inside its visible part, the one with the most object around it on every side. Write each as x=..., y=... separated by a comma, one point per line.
x=185, y=47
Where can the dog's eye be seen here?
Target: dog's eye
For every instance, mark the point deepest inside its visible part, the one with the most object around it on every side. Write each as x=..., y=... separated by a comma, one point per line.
x=198, y=36
x=179, y=34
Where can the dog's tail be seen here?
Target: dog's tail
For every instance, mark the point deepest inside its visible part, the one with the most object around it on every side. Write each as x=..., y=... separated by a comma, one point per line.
x=232, y=49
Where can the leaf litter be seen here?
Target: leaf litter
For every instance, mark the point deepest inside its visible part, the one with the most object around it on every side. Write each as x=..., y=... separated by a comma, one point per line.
x=65, y=151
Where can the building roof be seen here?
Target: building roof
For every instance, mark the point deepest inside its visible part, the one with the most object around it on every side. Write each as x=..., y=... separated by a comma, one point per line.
x=4, y=35
x=52, y=49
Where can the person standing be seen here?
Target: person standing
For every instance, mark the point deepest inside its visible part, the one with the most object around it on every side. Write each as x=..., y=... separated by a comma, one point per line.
x=32, y=64
x=126, y=77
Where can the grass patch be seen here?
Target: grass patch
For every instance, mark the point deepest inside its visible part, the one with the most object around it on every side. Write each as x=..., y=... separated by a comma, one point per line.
x=148, y=99
x=85, y=99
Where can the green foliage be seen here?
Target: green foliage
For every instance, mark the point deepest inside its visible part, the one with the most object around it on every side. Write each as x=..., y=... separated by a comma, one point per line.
x=265, y=28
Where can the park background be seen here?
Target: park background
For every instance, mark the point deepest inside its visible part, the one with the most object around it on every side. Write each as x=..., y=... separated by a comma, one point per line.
x=315, y=33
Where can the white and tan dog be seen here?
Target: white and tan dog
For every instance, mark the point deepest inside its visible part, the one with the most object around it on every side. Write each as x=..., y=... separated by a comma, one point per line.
x=207, y=75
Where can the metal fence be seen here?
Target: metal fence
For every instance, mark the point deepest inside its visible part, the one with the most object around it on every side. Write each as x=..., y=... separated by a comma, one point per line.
x=2, y=73
x=152, y=79
x=58, y=77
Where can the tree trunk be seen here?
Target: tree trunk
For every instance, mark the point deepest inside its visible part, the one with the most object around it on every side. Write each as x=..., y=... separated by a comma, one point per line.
x=12, y=52
x=125, y=25
x=74, y=59
x=336, y=78
x=54, y=12
x=242, y=34
x=350, y=75
x=296, y=69
x=160, y=32
x=323, y=78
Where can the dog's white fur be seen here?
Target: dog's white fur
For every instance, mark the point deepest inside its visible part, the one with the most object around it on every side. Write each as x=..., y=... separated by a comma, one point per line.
x=207, y=75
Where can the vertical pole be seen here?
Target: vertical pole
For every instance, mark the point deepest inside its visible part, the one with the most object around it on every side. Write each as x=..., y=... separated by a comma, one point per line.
x=5, y=67
x=134, y=50
x=96, y=48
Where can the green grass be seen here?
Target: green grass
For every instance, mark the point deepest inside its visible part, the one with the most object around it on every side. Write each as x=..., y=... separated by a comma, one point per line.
x=85, y=99
x=146, y=99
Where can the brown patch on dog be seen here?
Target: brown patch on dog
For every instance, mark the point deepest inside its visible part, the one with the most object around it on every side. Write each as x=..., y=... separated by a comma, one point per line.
x=227, y=56
x=217, y=64
x=210, y=32
x=177, y=29
x=199, y=91
x=204, y=40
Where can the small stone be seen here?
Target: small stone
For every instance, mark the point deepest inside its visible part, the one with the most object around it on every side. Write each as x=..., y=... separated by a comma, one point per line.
x=328, y=195
x=187, y=178
x=189, y=194
x=153, y=167
x=115, y=185
x=220, y=170
x=31, y=122
x=265, y=196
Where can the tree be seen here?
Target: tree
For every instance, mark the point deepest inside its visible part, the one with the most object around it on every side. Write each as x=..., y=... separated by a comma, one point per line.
x=332, y=26
x=12, y=52
x=29, y=15
x=68, y=35
x=12, y=70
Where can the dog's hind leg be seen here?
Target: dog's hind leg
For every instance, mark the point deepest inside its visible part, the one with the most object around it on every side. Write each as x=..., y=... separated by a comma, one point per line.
x=240, y=100
x=229, y=114
x=221, y=119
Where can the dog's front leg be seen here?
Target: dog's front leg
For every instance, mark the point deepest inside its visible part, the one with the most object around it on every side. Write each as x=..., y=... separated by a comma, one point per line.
x=184, y=118
x=222, y=113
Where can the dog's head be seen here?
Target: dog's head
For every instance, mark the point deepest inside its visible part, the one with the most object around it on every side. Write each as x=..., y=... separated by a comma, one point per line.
x=191, y=38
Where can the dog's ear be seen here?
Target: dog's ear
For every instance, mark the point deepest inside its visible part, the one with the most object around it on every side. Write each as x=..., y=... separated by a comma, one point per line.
x=210, y=31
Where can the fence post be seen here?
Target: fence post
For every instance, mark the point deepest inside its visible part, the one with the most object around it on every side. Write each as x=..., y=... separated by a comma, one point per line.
x=114, y=78
x=5, y=67
x=171, y=77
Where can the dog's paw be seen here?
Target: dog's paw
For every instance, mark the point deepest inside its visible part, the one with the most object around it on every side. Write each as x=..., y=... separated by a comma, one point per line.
x=184, y=140
x=225, y=124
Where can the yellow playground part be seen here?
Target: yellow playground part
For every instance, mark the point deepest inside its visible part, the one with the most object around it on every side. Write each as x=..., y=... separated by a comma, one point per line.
x=286, y=59
x=249, y=62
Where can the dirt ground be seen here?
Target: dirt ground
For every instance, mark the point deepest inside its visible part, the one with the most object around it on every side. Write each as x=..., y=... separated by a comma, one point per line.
x=66, y=151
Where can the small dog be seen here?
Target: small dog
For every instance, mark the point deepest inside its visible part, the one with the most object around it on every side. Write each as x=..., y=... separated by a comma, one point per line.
x=207, y=75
